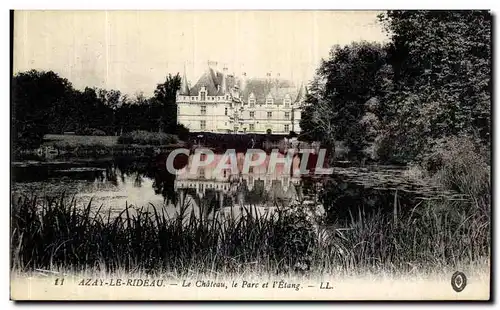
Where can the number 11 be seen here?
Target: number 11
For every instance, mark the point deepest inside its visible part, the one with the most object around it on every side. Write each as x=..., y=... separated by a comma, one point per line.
x=57, y=280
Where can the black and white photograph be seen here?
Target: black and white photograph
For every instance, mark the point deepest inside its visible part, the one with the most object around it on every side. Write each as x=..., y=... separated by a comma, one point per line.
x=315, y=155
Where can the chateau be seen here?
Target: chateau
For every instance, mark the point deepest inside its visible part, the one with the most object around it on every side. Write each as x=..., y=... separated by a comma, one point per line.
x=223, y=103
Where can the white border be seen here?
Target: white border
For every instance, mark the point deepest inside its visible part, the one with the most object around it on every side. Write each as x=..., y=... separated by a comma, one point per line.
x=249, y=5
x=190, y=4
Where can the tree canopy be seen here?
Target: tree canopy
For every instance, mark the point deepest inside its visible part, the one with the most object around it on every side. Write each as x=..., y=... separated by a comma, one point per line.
x=432, y=80
x=43, y=102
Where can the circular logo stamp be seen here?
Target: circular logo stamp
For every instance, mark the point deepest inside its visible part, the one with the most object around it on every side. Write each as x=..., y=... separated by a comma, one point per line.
x=458, y=281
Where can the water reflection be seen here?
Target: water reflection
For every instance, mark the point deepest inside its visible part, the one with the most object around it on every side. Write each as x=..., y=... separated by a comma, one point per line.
x=115, y=182
x=145, y=181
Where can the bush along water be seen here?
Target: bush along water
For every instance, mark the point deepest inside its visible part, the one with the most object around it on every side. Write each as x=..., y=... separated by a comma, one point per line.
x=147, y=138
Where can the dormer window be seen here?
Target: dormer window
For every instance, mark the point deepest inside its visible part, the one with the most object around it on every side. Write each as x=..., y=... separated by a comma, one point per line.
x=287, y=101
x=269, y=100
x=251, y=100
x=203, y=95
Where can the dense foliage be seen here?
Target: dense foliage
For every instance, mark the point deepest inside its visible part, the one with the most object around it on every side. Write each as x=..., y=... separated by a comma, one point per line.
x=431, y=81
x=43, y=102
x=147, y=138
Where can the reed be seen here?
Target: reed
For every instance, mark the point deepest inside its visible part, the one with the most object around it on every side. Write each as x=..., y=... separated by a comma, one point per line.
x=50, y=233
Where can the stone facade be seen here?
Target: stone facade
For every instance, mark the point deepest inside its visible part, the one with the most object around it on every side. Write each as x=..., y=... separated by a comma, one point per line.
x=223, y=103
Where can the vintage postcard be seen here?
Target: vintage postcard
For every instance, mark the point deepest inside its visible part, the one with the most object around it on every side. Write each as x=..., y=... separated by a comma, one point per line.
x=251, y=155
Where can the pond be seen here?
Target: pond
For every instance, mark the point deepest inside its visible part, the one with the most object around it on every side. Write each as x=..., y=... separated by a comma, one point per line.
x=115, y=182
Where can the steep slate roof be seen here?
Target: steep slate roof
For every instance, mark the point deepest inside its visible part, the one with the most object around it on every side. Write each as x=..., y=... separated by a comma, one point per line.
x=302, y=92
x=211, y=79
x=184, y=90
x=260, y=87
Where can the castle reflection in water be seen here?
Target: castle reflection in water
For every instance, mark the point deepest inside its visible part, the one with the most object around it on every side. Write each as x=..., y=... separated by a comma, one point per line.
x=226, y=192
x=145, y=182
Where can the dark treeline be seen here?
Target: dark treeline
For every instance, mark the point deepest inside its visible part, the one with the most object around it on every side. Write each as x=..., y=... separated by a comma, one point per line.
x=44, y=102
x=403, y=100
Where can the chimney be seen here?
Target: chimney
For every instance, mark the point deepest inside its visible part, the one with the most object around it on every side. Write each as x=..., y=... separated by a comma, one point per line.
x=243, y=83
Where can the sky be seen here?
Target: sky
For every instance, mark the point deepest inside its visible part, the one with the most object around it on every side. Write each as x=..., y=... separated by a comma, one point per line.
x=132, y=51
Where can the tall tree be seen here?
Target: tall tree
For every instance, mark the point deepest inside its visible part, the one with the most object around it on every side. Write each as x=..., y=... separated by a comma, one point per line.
x=442, y=76
x=39, y=98
x=165, y=102
x=344, y=84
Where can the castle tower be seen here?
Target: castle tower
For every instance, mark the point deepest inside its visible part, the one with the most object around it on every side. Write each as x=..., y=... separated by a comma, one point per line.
x=184, y=90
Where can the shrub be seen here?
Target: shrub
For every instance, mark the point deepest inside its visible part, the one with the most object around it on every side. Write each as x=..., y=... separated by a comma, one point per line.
x=388, y=148
x=91, y=132
x=147, y=138
x=182, y=132
x=461, y=164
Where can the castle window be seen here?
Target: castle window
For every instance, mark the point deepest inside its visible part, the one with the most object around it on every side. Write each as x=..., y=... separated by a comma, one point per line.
x=225, y=111
x=203, y=125
x=269, y=114
x=251, y=127
x=287, y=128
x=287, y=101
x=287, y=115
x=251, y=100
x=203, y=96
x=269, y=100
x=252, y=113
x=203, y=109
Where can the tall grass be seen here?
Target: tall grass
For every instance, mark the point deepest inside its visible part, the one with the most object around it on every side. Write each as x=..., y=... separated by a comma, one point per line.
x=50, y=233
x=433, y=234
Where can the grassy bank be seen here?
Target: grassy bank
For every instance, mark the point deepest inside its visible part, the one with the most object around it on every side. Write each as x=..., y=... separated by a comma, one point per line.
x=102, y=145
x=142, y=137
x=55, y=233
x=65, y=141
